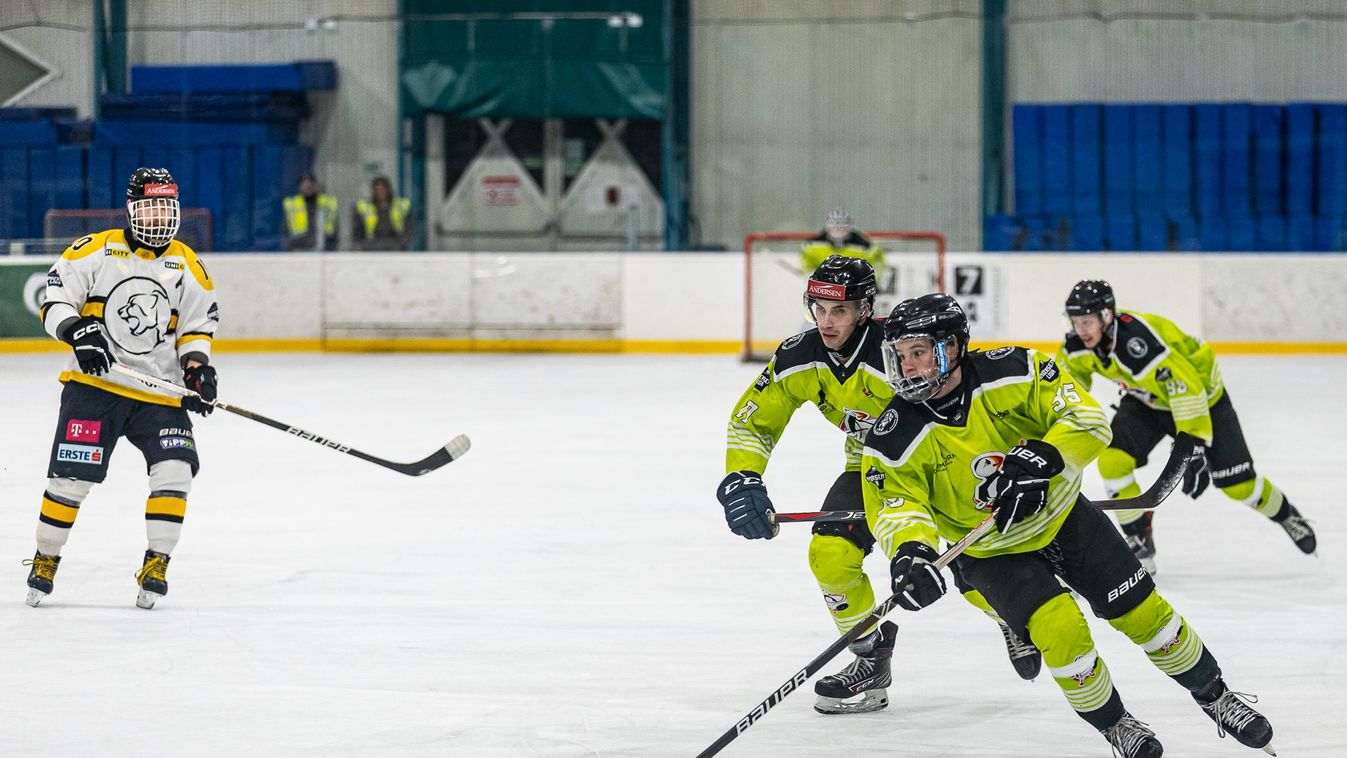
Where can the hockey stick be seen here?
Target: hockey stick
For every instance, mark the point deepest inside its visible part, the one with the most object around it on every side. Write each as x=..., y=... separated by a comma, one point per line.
x=1169, y=478
x=450, y=452
x=1183, y=446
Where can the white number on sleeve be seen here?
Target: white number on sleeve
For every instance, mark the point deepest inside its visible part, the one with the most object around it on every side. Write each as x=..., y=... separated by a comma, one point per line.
x=746, y=411
x=1066, y=395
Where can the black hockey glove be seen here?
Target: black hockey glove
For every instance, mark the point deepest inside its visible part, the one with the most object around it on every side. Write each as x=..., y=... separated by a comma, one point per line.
x=1198, y=475
x=1019, y=489
x=748, y=510
x=201, y=380
x=916, y=581
x=91, y=347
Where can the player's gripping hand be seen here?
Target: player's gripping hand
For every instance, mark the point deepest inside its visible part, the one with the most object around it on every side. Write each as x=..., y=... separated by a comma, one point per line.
x=916, y=581
x=1019, y=488
x=1198, y=474
x=200, y=378
x=85, y=335
x=748, y=510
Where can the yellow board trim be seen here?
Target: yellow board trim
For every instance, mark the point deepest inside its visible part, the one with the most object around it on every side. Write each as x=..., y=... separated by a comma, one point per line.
x=59, y=511
x=166, y=506
x=685, y=347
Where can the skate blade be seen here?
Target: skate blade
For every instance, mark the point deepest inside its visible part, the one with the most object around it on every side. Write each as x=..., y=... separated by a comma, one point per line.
x=147, y=599
x=35, y=597
x=866, y=702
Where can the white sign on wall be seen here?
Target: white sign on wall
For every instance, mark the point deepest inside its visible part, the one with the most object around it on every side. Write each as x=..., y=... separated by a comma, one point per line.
x=977, y=288
x=500, y=190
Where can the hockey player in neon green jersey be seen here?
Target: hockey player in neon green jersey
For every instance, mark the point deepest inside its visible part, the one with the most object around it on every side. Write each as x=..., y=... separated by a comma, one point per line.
x=1171, y=384
x=840, y=237
x=837, y=367
x=1007, y=433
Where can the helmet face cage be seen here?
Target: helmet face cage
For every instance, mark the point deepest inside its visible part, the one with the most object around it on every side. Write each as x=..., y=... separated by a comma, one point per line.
x=838, y=225
x=154, y=220
x=918, y=387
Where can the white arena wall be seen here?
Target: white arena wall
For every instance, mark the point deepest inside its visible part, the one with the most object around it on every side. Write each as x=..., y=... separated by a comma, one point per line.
x=693, y=302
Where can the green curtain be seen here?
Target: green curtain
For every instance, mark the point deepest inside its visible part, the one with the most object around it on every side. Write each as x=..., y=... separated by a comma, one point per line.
x=476, y=60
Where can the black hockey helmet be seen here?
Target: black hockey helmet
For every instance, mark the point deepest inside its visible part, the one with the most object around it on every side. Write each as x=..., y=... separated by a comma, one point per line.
x=937, y=317
x=152, y=207
x=841, y=278
x=1090, y=296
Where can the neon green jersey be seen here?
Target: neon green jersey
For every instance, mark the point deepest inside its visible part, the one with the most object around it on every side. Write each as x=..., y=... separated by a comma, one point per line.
x=1157, y=363
x=923, y=462
x=849, y=390
x=856, y=245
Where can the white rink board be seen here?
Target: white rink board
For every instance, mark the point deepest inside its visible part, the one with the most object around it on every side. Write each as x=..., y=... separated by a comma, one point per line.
x=569, y=590
x=699, y=296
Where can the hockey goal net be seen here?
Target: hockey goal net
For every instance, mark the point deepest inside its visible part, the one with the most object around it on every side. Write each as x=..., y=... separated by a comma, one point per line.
x=63, y=226
x=774, y=281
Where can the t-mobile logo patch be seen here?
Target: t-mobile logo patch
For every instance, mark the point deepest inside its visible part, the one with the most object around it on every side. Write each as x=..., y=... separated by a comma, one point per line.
x=82, y=430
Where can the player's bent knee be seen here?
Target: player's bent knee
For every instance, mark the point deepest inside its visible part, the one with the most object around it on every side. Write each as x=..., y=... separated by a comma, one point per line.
x=1242, y=491
x=171, y=476
x=835, y=561
x=1146, y=620
x=1060, y=631
x=69, y=490
x=1115, y=464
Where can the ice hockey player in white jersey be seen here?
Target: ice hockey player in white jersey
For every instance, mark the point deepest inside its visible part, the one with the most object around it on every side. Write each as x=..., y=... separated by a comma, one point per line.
x=138, y=297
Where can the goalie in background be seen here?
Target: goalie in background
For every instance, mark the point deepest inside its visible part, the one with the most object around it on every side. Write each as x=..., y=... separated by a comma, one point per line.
x=840, y=237
x=837, y=367
x=138, y=297
x=1172, y=384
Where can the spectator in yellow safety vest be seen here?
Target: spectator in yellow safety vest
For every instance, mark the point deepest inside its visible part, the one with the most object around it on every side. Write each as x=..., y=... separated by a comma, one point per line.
x=307, y=212
x=384, y=221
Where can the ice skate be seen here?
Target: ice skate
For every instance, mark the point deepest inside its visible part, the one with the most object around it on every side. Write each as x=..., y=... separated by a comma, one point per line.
x=153, y=579
x=1024, y=656
x=41, y=576
x=1234, y=716
x=1142, y=543
x=1299, y=530
x=1132, y=739
x=861, y=686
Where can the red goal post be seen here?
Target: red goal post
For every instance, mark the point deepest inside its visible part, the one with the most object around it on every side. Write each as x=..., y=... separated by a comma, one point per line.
x=915, y=258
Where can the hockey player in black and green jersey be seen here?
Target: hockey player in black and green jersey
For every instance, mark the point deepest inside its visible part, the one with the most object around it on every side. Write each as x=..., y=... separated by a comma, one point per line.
x=1171, y=383
x=1007, y=433
x=838, y=367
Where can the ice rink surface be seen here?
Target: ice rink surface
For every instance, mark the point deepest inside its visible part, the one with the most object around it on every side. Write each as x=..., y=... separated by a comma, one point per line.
x=569, y=587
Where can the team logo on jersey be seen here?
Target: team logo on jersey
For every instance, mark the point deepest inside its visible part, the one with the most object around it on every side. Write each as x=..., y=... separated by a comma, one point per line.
x=856, y=423
x=1165, y=648
x=893, y=502
x=792, y=341
x=79, y=454
x=1162, y=374
x=142, y=308
x=875, y=477
x=213, y=312
x=83, y=430
x=837, y=601
x=764, y=379
x=1136, y=347
x=999, y=352
x=887, y=422
x=983, y=467
x=1048, y=371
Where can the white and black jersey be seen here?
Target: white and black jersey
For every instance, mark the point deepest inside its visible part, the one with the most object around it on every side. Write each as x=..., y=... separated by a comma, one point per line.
x=155, y=307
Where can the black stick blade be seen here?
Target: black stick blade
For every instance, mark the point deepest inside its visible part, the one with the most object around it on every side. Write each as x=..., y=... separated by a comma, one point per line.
x=450, y=452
